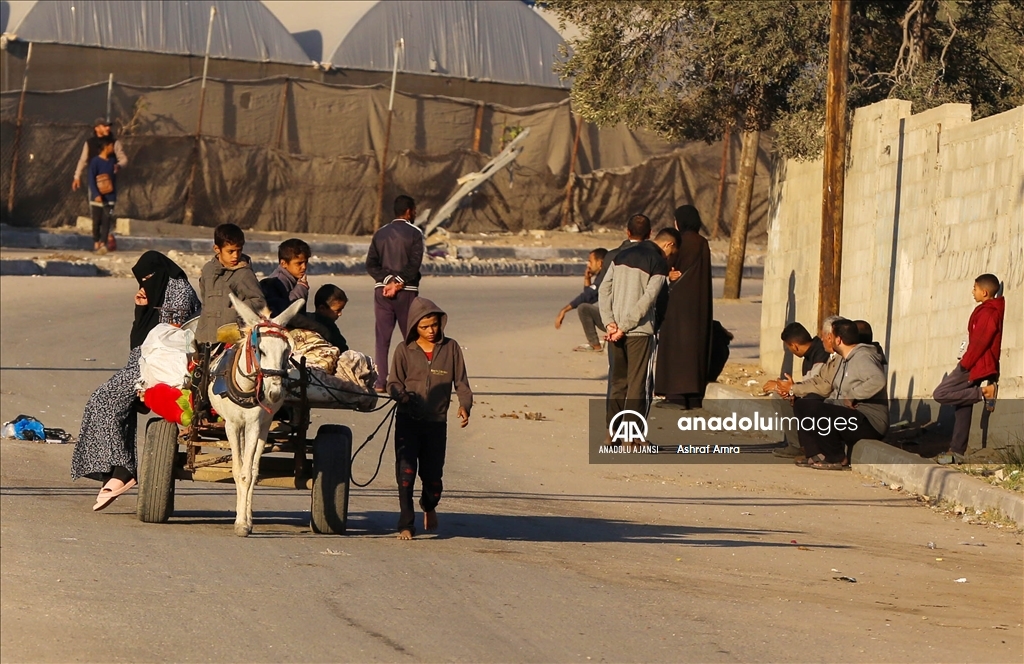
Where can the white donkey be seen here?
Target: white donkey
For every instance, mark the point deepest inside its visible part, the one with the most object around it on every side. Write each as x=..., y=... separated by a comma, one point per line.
x=261, y=363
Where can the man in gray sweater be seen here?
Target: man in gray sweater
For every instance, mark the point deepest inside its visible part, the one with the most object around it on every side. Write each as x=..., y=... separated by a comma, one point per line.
x=857, y=409
x=627, y=298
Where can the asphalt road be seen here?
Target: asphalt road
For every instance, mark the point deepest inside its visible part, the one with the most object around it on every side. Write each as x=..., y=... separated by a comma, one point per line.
x=540, y=557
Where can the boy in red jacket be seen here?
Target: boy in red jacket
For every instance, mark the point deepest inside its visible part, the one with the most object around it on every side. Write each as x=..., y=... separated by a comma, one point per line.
x=976, y=374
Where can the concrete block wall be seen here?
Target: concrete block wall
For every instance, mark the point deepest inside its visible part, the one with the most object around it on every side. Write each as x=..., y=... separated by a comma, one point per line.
x=932, y=201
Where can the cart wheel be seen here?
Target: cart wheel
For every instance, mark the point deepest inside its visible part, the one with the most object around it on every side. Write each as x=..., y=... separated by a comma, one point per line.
x=332, y=461
x=156, y=472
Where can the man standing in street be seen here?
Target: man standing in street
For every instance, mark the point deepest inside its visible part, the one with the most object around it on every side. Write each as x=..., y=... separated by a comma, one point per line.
x=91, y=148
x=394, y=259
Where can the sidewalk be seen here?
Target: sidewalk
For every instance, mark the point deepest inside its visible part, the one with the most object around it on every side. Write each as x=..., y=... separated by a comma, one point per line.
x=71, y=254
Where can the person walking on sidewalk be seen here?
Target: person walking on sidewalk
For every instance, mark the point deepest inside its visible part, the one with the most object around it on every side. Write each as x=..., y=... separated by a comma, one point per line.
x=102, y=194
x=91, y=149
x=394, y=260
x=977, y=370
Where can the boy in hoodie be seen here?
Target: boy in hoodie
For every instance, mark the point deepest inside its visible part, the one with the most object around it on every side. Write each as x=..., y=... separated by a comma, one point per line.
x=977, y=371
x=586, y=302
x=857, y=408
x=424, y=369
x=229, y=271
x=288, y=282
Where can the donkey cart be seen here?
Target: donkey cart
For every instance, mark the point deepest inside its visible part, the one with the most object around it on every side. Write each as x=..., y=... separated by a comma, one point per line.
x=201, y=452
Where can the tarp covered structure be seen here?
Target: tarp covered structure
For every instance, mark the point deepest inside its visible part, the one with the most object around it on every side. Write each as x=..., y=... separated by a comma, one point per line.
x=242, y=30
x=502, y=41
x=300, y=156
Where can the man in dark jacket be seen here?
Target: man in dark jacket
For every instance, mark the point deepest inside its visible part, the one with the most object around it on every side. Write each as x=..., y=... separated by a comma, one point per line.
x=394, y=259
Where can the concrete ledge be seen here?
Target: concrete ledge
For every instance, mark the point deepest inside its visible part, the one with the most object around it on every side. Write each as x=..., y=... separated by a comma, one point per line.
x=69, y=269
x=722, y=401
x=925, y=477
x=19, y=268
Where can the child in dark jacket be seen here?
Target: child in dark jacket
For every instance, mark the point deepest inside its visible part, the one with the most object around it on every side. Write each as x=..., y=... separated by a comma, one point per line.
x=102, y=193
x=975, y=375
x=330, y=301
x=424, y=370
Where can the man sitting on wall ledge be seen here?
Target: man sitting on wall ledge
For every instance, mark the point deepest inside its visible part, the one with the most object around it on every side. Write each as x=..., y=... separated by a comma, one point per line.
x=856, y=409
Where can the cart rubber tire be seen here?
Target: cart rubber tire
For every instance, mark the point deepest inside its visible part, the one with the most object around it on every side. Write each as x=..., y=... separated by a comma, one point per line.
x=332, y=463
x=156, y=472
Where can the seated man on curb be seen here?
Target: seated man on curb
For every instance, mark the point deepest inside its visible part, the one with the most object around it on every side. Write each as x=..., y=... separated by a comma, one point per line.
x=585, y=303
x=857, y=409
x=816, y=353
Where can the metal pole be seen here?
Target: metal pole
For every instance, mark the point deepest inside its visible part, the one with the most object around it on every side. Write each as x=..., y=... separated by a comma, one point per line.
x=716, y=223
x=567, y=205
x=17, y=132
x=190, y=203
x=110, y=91
x=399, y=46
x=830, y=272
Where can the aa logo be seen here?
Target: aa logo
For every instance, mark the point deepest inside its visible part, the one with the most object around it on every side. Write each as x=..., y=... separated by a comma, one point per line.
x=630, y=430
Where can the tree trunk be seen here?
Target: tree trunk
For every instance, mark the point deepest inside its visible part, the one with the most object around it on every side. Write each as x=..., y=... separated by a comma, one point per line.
x=738, y=235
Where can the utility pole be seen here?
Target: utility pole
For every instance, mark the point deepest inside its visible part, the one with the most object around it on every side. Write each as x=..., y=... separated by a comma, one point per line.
x=399, y=49
x=830, y=274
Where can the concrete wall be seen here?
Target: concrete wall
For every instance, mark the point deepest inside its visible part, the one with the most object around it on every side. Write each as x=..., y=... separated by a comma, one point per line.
x=932, y=201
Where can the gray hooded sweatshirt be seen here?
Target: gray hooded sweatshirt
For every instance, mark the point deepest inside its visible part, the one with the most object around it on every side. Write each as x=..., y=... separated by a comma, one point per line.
x=861, y=379
x=428, y=382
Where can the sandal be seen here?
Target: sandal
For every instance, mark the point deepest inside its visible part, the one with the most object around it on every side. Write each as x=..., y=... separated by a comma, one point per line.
x=807, y=462
x=825, y=465
x=108, y=493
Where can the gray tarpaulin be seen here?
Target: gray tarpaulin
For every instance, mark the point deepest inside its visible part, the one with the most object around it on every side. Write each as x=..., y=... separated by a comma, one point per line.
x=498, y=40
x=295, y=155
x=242, y=30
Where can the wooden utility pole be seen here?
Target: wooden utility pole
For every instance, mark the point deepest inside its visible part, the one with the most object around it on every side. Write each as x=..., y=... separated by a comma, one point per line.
x=741, y=222
x=478, y=126
x=567, y=204
x=189, y=217
x=17, y=133
x=830, y=274
x=399, y=48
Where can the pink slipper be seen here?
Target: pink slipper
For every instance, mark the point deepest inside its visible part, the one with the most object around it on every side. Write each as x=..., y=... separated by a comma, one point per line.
x=107, y=494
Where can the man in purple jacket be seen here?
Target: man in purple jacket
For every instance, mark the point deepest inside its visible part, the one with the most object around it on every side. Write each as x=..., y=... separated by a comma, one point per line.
x=394, y=259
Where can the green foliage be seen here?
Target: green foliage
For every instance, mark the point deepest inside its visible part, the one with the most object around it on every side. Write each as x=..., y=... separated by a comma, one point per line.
x=688, y=69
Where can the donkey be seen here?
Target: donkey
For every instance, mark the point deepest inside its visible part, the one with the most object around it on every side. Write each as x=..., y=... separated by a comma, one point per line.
x=260, y=366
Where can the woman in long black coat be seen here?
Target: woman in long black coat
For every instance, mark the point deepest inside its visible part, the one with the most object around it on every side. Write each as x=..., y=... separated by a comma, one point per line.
x=684, y=340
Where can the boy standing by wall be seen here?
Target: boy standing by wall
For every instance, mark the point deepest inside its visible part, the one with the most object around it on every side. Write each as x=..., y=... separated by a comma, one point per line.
x=975, y=375
x=585, y=303
x=425, y=368
x=102, y=193
x=229, y=271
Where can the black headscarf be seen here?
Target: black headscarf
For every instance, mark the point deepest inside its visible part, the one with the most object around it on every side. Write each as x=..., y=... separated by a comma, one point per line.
x=688, y=219
x=160, y=270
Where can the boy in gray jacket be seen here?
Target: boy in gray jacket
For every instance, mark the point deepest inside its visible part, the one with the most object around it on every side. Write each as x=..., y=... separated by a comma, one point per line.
x=424, y=369
x=229, y=271
x=857, y=409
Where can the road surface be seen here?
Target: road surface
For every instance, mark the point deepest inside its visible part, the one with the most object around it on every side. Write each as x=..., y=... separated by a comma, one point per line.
x=540, y=557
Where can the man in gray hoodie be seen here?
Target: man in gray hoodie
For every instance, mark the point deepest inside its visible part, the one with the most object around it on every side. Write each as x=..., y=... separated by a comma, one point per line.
x=857, y=409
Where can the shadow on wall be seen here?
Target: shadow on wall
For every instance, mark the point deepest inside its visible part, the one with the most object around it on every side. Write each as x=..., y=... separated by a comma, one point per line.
x=311, y=41
x=787, y=357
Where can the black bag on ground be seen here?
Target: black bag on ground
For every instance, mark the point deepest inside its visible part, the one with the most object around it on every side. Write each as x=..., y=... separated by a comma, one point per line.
x=720, y=340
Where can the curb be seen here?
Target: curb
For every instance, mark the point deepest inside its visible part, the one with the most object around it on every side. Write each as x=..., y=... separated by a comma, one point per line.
x=925, y=477
x=496, y=256
x=31, y=268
